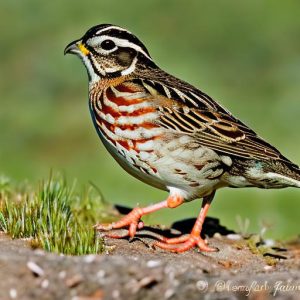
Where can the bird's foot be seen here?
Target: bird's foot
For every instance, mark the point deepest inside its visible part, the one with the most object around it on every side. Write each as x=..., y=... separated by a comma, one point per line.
x=184, y=243
x=132, y=221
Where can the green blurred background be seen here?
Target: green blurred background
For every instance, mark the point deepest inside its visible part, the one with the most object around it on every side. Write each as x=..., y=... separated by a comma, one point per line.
x=244, y=53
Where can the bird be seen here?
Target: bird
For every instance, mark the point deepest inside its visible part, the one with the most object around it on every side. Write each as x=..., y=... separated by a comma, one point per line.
x=169, y=134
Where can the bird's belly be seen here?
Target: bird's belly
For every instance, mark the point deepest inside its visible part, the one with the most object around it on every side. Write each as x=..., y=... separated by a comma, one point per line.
x=134, y=166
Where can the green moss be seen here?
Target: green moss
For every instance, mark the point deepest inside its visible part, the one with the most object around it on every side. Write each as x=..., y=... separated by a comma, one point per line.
x=54, y=216
x=271, y=255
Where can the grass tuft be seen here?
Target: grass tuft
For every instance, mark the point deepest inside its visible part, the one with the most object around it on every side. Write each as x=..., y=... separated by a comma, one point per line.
x=54, y=217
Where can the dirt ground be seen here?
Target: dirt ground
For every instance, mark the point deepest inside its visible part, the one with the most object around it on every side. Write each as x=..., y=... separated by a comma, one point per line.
x=135, y=270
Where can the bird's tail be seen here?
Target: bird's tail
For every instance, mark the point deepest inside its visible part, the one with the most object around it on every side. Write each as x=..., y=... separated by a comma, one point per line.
x=291, y=182
x=288, y=174
x=274, y=174
x=295, y=175
x=296, y=178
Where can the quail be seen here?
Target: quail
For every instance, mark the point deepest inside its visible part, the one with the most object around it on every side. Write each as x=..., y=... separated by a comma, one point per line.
x=169, y=134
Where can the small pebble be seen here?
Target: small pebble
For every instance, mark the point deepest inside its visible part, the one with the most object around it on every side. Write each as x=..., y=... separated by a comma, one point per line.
x=267, y=268
x=217, y=235
x=234, y=236
x=153, y=263
x=169, y=293
x=35, y=269
x=89, y=258
x=74, y=281
x=62, y=274
x=45, y=283
x=175, y=282
x=146, y=281
x=101, y=274
x=13, y=293
x=115, y=294
x=269, y=243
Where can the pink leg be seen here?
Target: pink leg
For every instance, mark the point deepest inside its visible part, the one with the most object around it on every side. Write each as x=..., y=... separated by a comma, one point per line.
x=132, y=220
x=186, y=242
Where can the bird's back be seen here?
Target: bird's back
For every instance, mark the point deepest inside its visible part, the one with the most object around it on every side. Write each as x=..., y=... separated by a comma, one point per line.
x=216, y=128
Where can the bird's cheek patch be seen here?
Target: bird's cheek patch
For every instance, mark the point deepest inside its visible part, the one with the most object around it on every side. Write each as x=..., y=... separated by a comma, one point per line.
x=124, y=58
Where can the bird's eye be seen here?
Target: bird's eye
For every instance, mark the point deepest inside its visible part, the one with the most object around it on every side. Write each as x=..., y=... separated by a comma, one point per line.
x=108, y=45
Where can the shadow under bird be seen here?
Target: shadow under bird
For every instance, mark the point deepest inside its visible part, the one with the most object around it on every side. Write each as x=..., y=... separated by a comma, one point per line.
x=170, y=134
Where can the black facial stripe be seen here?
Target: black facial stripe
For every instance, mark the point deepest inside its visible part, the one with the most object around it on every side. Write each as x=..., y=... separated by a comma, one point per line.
x=91, y=49
x=89, y=56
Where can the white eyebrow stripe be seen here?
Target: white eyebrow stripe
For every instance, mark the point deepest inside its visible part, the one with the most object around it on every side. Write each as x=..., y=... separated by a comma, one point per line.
x=111, y=27
x=119, y=42
x=126, y=43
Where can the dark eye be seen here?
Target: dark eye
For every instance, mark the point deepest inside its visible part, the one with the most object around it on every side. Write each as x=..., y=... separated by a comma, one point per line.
x=108, y=45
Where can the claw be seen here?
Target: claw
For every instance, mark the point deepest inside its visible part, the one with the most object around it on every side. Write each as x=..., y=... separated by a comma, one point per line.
x=140, y=225
x=184, y=243
x=176, y=240
x=131, y=221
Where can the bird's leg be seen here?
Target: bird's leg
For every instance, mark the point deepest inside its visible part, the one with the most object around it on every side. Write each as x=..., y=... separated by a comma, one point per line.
x=132, y=220
x=186, y=242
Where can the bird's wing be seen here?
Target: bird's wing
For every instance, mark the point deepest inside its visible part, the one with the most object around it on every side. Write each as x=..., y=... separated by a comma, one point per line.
x=188, y=110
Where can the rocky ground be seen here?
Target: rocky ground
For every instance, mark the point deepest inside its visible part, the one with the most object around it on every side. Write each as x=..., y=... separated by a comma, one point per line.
x=243, y=268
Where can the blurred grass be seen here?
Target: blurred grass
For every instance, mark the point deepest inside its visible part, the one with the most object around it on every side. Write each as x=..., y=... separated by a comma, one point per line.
x=245, y=53
x=55, y=217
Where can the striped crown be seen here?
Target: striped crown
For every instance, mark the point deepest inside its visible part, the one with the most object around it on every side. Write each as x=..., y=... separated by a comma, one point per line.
x=110, y=51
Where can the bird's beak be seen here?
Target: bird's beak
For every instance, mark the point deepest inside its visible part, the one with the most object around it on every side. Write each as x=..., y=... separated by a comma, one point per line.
x=76, y=47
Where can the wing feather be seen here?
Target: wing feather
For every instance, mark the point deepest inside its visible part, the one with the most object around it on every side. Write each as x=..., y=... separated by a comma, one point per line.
x=195, y=113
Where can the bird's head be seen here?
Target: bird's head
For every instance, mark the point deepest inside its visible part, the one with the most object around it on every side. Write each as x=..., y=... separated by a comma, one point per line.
x=109, y=51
